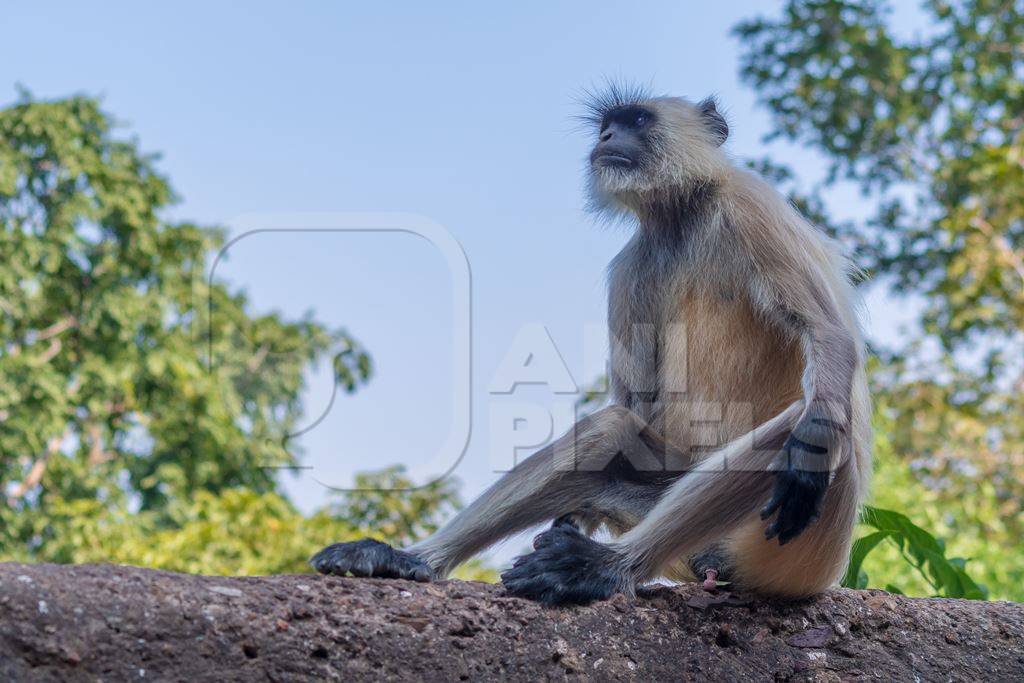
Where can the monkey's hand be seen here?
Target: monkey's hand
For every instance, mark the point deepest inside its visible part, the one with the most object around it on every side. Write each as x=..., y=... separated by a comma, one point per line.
x=369, y=557
x=801, y=484
x=566, y=567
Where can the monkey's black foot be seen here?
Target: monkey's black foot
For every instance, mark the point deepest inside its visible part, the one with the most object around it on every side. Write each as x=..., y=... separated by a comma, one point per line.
x=566, y=567
x=369, y=557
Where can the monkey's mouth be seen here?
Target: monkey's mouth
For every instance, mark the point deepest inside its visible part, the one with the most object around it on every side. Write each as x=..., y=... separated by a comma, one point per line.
x=614, y=160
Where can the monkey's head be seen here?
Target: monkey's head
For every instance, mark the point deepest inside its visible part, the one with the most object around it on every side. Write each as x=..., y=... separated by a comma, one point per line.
x=649, y=145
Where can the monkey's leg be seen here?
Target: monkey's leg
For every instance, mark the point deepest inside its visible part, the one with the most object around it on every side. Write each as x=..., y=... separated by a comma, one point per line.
x=610, y=463
x=695, y=511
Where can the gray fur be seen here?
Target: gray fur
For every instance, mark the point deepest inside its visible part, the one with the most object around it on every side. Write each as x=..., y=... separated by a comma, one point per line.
x=703, y=228
x=702, y=506
x=571, y=476
x=713, y=118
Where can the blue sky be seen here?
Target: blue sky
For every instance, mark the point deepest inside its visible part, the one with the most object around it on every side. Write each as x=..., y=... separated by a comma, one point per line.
x=460, y=113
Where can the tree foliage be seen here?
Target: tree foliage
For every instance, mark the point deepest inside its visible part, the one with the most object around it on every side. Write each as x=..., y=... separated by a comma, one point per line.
x=238, y=531
x=144, y=412
x=947, y=577
x=929, y=127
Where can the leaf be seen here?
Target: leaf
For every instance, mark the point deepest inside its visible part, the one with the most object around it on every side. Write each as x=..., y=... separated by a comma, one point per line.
x=948, y=576
x=910, y=537
x=861, y=548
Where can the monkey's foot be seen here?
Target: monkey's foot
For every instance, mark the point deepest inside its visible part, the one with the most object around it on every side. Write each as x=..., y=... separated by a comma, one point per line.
x=566, y=567
x=369, y=557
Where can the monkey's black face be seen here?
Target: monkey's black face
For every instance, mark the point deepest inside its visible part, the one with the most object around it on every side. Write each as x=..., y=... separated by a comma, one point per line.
x=624, y=138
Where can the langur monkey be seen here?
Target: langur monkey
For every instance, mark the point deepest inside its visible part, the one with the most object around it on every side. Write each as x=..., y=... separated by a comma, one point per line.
x=725, y=302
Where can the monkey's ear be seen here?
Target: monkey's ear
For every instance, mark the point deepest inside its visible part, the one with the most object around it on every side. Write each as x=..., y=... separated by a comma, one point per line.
x=715, y=121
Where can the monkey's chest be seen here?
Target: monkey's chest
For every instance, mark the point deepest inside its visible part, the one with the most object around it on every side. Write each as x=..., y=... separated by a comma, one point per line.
x=722, y=367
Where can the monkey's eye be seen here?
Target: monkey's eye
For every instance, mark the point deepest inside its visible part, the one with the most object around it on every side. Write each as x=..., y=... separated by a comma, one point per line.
x=628, y=116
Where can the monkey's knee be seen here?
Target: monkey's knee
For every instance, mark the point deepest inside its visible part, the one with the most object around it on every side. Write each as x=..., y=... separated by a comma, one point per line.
x=610, y=424
x=589, y=445
x=617, y=441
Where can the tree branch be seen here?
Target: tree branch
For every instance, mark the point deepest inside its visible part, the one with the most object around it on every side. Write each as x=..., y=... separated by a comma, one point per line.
x=35, y=473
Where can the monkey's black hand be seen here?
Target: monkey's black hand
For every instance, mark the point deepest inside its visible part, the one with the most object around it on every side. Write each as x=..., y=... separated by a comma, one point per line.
x=798, y=493
x=369, y=557
x=565, y=567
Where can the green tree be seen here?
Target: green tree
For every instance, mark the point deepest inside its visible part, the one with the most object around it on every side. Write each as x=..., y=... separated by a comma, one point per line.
x=144, y=412
x=929, y=127
x=239, y=531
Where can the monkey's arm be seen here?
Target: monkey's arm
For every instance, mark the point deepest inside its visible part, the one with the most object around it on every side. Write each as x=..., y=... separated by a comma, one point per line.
x=633, y=312
x=801, y=291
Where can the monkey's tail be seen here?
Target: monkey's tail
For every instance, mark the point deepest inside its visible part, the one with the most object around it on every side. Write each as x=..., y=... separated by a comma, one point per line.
x=724, y=492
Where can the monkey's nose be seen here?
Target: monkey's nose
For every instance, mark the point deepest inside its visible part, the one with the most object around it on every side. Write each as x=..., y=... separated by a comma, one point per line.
x=607, y=135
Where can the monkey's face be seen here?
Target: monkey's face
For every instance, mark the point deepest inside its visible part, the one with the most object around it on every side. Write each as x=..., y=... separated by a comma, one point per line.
x=646, y=144
x=624, y=147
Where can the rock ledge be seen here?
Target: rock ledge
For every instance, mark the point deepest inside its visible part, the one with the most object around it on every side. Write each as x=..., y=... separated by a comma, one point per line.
x=89, y=622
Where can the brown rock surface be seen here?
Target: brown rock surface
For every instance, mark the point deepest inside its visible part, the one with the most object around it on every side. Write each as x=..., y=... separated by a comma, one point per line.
x=95, y=622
